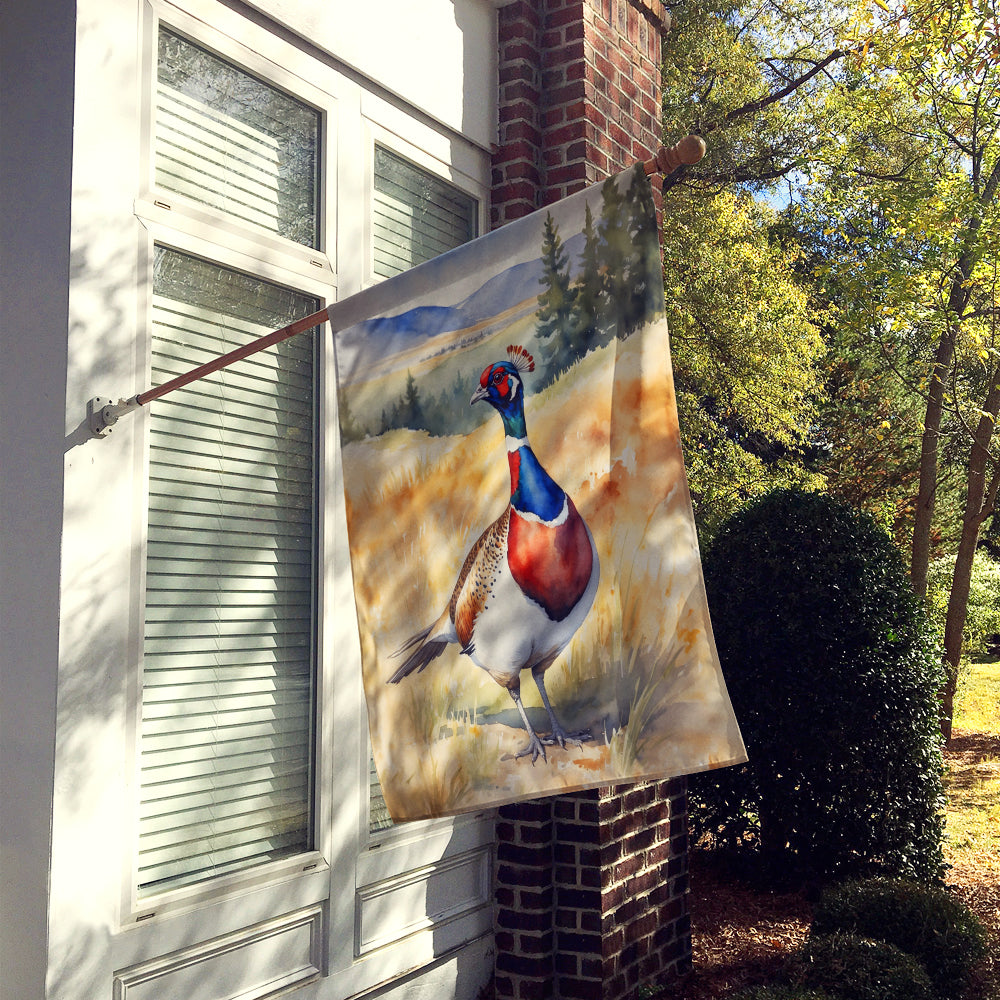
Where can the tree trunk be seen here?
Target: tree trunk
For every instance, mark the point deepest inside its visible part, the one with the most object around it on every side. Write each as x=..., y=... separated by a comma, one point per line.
x=920, y=553
x=958, y=299
x=980, y=499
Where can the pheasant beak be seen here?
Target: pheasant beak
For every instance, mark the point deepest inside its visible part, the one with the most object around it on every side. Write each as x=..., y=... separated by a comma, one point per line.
x=481, y=393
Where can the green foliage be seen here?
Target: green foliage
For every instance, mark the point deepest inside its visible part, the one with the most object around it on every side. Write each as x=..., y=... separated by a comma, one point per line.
x=725, y=62
x=983, y=617
x=924, y=921
x=857, y=968
x=747, y=354
x=781, y=992
x=833, y=673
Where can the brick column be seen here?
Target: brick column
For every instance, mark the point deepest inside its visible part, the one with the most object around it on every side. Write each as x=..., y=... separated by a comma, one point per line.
x=579, y=96
x=591, y=888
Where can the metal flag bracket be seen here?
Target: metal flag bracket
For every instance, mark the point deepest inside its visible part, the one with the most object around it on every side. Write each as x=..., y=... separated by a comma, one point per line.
x=103, y=413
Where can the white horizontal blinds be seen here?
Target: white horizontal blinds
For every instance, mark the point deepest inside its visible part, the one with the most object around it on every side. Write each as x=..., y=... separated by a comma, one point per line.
x=228, y=656
x=226, y=139
x=416, y=215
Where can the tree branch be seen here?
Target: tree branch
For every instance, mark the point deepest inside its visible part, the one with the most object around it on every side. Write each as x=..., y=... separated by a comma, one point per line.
x=753, y=107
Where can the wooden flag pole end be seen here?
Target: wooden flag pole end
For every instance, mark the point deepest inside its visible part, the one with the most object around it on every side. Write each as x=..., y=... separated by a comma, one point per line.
x=687, y=152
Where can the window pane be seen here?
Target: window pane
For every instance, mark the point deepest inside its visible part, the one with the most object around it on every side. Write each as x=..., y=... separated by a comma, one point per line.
x=228, y=655
x=416, y=215
x=228, y=140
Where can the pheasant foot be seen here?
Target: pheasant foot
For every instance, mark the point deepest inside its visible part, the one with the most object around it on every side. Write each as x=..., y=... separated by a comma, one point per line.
x=560, y=738
x=535, y=747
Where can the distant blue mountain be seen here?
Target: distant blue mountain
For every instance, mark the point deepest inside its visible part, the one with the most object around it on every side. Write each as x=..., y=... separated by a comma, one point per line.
x=506, y=289
x=424, y=321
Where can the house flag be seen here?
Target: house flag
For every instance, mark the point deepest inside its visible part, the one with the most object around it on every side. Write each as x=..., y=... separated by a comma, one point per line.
x=528, y=587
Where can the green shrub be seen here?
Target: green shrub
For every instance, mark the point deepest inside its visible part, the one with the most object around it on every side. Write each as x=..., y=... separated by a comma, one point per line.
x=782, y=993
x=856, y=968
x=833, y=673
x=925, y=922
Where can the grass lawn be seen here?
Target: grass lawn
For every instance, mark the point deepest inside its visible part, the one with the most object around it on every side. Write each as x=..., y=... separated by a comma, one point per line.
x=974, y=769
x=973, y=811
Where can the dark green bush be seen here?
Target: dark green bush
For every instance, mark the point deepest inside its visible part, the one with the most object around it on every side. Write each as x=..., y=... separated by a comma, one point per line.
x=833, y=673
x=782, y=993
x=926, y=922
x=856, y=968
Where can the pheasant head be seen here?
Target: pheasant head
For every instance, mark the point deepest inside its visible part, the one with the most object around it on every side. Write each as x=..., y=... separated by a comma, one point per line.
x=502, y=387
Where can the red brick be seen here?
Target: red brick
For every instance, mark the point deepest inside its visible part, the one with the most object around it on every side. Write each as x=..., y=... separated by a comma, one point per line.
x=566, y=174
x=515, y=875
x=571, y=14
x=581, y=989
x=538, y=966
x=540, y=989
x=521, y=130
x=567, y=133
x=518, y=111
x=521, y=90
x=523, y=920
x=588, y=944
x=594, y=97
x=531, y=899
x=518, y=49
x=564, y=54
x=532, y=944
x=642, y=883
x=567, y=964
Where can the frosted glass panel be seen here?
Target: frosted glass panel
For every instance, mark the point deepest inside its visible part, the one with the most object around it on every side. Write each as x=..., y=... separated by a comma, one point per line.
x=231, y=141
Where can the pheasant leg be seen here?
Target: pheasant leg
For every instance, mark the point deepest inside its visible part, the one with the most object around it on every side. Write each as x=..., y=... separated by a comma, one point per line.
x=558, y=735
x=534, y=746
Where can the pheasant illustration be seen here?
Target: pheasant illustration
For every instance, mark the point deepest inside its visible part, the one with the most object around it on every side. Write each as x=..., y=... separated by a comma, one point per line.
x=528, y=582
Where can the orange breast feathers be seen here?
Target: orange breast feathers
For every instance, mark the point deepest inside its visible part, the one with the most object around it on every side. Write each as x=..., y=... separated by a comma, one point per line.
x=552, y=565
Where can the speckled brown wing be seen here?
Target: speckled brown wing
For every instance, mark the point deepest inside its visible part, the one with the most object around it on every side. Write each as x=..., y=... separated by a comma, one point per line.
x=479, y=573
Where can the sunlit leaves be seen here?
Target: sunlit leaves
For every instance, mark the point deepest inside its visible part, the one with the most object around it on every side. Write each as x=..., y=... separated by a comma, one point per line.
x=746, y=352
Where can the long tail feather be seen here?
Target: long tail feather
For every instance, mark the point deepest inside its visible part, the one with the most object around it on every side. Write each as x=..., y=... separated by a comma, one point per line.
x=421, y=656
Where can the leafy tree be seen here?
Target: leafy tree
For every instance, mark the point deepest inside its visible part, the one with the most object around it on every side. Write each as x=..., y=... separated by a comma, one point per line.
x=881, y=121
x=913, y=186
x=746, y=77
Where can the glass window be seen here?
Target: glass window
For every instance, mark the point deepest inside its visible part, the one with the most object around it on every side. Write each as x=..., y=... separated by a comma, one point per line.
x=228, y=140
x=416, y=216
x=228, y=680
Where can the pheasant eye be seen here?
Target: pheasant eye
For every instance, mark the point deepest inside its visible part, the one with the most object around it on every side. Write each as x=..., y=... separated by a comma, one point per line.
x=497, y=377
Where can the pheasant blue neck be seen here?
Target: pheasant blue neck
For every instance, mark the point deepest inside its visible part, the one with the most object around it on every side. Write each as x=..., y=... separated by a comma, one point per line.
x=532, y=489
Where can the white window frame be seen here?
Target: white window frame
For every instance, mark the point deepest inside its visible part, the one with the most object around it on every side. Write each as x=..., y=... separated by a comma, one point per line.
x=351, y=873
x=180, y=224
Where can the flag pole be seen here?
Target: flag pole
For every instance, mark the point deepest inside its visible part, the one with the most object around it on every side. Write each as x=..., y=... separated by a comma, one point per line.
x=103, y=414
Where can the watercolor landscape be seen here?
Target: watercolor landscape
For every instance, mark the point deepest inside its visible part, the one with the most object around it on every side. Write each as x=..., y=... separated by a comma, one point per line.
x=430, y=463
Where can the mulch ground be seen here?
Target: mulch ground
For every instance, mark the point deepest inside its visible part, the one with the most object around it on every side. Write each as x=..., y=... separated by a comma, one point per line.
x=742, y=934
